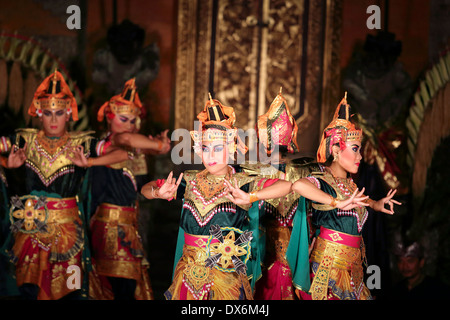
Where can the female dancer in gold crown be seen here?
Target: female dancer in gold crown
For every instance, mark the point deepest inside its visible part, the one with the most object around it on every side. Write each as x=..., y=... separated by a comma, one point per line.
x=277, y=135
x=48, y=225
x=217, y=250
x=338, y=216
x=118, y=253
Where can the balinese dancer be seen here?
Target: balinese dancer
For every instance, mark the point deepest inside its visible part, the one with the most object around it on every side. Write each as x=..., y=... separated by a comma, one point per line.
x=338, y=214
x=277, y=135
x=117, y=249
x=217, y=244
x=48, y=239
x=338, y=254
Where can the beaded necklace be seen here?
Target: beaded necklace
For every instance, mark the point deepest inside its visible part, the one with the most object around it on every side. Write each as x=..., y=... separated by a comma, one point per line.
x=210, y=185
x=51, y=144
x=346, y=185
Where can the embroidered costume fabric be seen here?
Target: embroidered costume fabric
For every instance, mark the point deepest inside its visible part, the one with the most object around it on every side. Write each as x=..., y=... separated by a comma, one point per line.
x=337, y=259
x=43, y=250
x=43, y=254
x=117, y=248
x=201, y=210
x=278, y=128
x=278, y=216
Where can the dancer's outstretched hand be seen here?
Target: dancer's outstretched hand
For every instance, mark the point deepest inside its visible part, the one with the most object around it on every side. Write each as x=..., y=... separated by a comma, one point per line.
x=235, y=194
x=379, y=205
x=356, y=200
x=170, y=186
x=78, y=158
x=16, y=157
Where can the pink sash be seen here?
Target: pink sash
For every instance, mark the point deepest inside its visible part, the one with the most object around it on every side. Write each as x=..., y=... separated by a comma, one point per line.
x=340, y=237
x=196, y=240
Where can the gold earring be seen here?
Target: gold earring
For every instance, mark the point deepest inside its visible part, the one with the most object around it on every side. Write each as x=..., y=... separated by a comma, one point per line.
x=335, y=158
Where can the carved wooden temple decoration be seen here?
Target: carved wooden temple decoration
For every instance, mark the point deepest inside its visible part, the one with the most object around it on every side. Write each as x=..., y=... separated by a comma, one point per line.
x=244, y=51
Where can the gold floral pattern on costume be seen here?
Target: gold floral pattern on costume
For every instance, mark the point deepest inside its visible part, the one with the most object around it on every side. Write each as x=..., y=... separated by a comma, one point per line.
x=227, y=249
x=197, y=276
x=50, y=158
x=210, y=185
x=225, y=254
x=30, y=216
x=200, y=202
x=51, y=145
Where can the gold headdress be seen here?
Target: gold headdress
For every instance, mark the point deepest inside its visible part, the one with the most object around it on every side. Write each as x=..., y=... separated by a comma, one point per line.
x=127, y=102
x=340, y=130
x=217, y=124
x=53, y=93
x=278, y=126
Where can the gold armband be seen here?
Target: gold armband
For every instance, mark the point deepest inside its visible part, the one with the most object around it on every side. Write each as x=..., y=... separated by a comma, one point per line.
x=333, y=201
x=253, y=197
x=155, y=192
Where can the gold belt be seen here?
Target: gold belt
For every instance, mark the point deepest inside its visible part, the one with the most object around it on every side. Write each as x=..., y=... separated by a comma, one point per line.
x=62, y=210
x=35, y=213
x=115, y=214
x=346, y=257
x=331, y=255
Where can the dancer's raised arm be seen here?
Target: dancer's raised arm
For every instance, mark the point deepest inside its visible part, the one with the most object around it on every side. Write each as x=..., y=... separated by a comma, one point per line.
x=278, y=189
x=308, y=190
x=166, y=191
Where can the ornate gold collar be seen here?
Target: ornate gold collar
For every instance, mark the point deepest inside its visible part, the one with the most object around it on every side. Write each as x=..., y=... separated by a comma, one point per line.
x=51, y=145
x=209, y=184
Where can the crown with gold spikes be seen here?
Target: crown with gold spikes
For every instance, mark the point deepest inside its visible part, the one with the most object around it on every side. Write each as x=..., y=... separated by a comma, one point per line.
x=278, y=126
x=127, y=102
x=339, y=131
x=53, y=93
x=217, y=124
